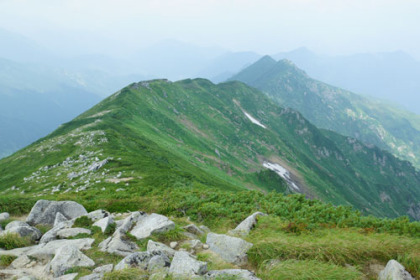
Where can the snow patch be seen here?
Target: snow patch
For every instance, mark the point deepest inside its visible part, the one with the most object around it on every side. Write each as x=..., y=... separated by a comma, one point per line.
x=282, y=172
x=253, y=120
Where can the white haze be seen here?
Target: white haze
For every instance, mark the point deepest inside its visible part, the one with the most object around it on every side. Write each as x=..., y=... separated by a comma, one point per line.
x=264, y=26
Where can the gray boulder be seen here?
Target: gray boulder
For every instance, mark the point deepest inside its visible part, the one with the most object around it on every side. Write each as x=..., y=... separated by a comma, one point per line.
x=104, y=223
x=72, y=232
x=23, y=230
x=394, y=271
x=140, y=260
x=66, y=258
x=152, y=246
x=148, y=224
x=194, y=229
x=45, y=211
x=239, y=274
x=183, y=265
x=15, y=224
x=118, y=244
x=4, y=216
x=231, y=249
x=246, y=225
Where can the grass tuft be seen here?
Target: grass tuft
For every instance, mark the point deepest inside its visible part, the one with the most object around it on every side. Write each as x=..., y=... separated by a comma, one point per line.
x=10, y=241
x=125, y=274
x=306, y=270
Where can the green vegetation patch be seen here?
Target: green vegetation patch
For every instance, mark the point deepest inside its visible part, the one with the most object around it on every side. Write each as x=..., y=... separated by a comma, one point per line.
x=10, y=241
x=306, y=270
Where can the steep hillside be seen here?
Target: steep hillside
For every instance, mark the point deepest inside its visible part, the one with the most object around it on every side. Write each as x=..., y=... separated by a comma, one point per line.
x=194, y=133
x=328, y=107
x=389, y=75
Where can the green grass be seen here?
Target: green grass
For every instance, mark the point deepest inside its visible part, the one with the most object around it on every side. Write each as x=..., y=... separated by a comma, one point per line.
x=125, y=274
x=6, y=260
x=335, y=246
x=307, y=270
x=10, y=241
x=83, y=222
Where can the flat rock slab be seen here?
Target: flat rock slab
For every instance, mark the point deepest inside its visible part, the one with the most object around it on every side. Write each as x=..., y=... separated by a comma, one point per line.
x=231, y=249
x=45, y=211
x=71, y=232
x=148, y=224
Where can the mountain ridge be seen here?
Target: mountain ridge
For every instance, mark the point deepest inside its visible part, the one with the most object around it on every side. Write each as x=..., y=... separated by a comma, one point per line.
x=195, y=133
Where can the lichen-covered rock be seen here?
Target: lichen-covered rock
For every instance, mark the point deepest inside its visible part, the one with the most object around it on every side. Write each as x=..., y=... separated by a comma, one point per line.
x=15, y=224
x=239, y=274
x=153, y=246
x=246, y=225
x=45, y=211
x=394, y=271
x=67, y=257
x=20, y=262
x=158, y=262
x=231, y=249
x=118, y=244
x=140, y=260
x=183, y=265
x=148, y=224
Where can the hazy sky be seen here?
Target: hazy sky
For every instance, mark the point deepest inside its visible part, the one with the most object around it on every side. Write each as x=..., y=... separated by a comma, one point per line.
x=264, y=26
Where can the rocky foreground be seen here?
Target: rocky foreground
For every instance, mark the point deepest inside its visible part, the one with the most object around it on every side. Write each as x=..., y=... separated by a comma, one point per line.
x=58, y=253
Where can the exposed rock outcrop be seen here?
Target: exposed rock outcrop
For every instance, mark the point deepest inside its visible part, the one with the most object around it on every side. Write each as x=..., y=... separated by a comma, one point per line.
x=231, y=249
x=45, y=211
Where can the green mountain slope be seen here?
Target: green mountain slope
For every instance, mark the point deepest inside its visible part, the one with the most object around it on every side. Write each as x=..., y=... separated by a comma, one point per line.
x=371, y=121
x=193, y=133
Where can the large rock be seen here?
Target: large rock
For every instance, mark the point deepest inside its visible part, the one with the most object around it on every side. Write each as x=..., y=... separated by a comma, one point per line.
x=23, y=230
x=246, y=225
x=152, y=246
x=148, y=224
x=239, y=274
x=45, y=211
x=52, y=234
x=394, y=271
x=104, y=223
x=4, y=216
x=72, y=232
x=231, y=249
x=183, y=265
x=59, y=218
x=140, y=260
x=118, y=244
x=66, y=258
